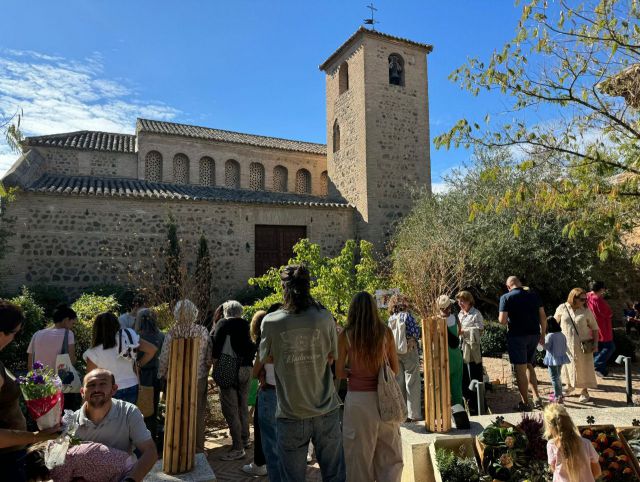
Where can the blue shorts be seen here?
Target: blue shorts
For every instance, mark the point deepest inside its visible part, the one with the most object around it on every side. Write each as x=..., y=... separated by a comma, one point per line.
x=522, y=349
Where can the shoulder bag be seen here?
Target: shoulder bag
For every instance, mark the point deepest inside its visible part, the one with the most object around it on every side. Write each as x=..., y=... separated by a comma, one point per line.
x=225, y=373
x=391, y=404
x=67, y=373
x=145, y=399
x=587, y=346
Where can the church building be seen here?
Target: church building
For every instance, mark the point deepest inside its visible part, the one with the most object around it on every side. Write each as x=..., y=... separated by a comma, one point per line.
x=91, y=206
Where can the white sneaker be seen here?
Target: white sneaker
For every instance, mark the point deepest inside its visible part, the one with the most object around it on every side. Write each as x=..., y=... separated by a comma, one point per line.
x=234, y=455
x=253, y=469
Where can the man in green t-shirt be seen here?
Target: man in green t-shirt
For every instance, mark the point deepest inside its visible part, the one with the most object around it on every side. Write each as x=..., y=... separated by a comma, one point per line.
x=302, y=339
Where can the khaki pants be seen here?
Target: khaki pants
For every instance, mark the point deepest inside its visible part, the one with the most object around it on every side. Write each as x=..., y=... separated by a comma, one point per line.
x=372, y=448
x=408, y=378
x=235, y=408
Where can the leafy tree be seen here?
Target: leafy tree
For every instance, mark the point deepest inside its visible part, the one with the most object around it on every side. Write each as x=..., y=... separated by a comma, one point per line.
x=575, y=65
x=172, y=277
x=334, y=280
x=87, y=307
x=482, y=242
x=204, y=277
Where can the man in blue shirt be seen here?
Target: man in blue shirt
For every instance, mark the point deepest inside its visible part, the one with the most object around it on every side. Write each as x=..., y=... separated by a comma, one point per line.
x=522, y=311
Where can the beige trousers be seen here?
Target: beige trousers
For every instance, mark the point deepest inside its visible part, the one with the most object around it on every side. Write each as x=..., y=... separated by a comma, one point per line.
x=372, y=448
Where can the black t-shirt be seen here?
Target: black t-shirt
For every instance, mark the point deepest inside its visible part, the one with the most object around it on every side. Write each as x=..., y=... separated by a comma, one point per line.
x=523, y=308
x=238, y=329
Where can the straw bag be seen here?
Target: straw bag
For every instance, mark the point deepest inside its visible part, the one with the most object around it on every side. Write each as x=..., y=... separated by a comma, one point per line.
x=145, y=400
x=391, y=404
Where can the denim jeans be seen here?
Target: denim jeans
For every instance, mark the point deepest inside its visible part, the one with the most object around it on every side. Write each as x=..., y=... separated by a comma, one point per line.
x=556, y=380
x=267, y=403
x=293, y=442
x=601, y=357
x=128, y=394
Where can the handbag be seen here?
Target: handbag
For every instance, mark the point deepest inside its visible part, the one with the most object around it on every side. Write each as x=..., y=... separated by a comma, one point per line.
x=587, y=346
x=391, y=404
x=225, y=373
x=145, y=400
x=67, y=373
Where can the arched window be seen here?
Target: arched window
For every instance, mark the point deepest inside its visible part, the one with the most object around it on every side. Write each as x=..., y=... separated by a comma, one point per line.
x=303, y=182
x=336, y=136
x=256, y=176
x=207, y=171
x=324, y=183
x=232, y=174
x=180, y=169
x=343, y=78
x=280, y=178
x=396, y=69
x=153, y=166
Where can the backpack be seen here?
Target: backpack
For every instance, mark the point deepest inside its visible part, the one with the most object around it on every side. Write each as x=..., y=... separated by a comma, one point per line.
x=399, y=330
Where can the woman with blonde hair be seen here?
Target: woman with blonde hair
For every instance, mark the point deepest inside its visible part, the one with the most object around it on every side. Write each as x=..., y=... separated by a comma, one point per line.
x=568, y=452
x=372, y=448
x=580, y=327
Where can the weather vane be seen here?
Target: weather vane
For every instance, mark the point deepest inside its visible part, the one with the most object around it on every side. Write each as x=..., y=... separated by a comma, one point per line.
x=371, y=21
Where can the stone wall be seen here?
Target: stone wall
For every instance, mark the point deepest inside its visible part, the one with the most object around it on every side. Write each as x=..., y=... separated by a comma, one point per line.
x=347, y=167
x=398, y=159
x=220, y=152
x=89, y=162
x=77, y=241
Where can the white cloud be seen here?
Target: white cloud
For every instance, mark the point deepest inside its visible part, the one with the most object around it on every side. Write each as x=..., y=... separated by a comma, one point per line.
x=64, y=95
x=439, y=187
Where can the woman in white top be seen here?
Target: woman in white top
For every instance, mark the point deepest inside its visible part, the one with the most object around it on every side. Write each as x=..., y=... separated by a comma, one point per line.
x=471, y=325
x=47, y=344
x=114, y=349
x=578, y=324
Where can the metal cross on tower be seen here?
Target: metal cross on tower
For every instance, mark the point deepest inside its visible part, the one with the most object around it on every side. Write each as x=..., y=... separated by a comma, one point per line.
x=371, y=21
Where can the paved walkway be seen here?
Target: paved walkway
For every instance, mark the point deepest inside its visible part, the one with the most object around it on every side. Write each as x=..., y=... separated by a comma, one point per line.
x=219, y=442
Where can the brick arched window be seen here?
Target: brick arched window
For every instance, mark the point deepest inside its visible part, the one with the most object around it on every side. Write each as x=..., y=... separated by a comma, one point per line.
x=256, y=176
x=180, y=169
x=232, y=174
x=303, y=182
x=324, y=183
x=153, y=166
x=336, y=136
x=207, y=171
x=343, y=78
x=396, y=69
x=280, y=179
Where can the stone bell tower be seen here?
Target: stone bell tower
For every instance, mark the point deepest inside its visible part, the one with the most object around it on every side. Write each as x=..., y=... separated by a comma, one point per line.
x=378, y=128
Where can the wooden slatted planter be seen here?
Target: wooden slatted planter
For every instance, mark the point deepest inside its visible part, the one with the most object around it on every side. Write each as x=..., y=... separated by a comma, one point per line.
x=437, y=394
x=180, y=420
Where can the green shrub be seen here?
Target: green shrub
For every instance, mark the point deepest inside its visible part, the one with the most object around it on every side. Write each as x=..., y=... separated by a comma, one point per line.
x=88, y=306
x=48, y=297
x=14, y=355
x=624, y=345
x=165, y=316
x=494, y=340
x=123, y=294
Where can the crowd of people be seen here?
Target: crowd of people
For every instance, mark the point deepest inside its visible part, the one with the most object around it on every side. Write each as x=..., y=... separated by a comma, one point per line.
x=299, y=355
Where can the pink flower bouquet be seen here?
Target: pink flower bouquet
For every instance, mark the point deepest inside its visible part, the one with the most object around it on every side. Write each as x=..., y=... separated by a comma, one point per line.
x=42, y=391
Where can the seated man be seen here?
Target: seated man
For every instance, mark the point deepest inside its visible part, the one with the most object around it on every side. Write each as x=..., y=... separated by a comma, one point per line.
x=114, y=423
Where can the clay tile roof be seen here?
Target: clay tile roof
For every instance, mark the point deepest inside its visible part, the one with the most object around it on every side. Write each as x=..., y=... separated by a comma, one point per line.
x=137, y=188
x=184, y=130
x=373, y=33
x=87, y=140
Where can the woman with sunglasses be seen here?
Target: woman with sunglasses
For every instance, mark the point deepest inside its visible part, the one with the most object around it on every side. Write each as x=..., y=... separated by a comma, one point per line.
x=581, y=330
x=14, y=436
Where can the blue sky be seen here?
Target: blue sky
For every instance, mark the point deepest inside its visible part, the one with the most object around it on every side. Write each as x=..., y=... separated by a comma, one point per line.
x=248, y=66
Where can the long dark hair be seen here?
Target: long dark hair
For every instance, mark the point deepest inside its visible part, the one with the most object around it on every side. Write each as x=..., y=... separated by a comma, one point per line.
x=105, y=328
x=11, y=317
x=366, y=331
x=296, y=284
x=146, y=321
